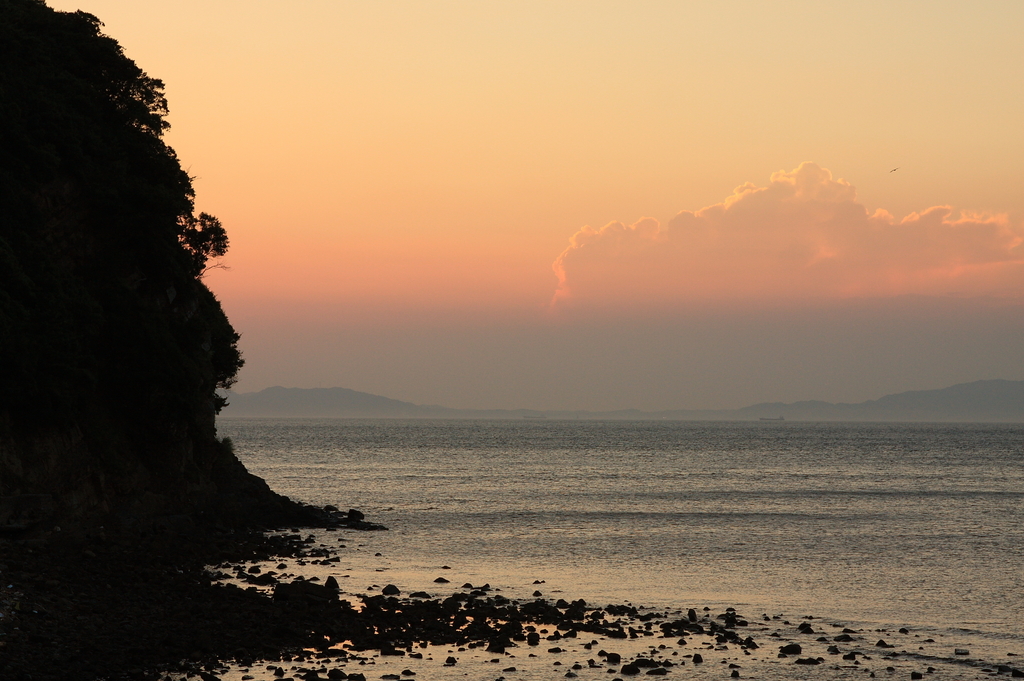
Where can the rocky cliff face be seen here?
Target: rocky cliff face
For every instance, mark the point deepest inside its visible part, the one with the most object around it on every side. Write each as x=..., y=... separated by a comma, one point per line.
x=111, y=347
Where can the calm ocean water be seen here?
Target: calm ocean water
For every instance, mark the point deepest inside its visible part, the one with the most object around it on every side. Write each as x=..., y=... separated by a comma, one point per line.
x=883, y=525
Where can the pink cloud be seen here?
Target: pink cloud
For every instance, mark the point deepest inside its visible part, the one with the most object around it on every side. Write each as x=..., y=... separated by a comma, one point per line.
x=803, y=237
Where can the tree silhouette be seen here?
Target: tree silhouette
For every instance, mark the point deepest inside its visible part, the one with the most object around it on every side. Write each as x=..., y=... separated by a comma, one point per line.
x=204, y=238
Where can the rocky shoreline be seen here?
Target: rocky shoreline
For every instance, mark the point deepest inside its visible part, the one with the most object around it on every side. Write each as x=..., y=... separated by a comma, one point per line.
x=196, y=603
x=96, y=604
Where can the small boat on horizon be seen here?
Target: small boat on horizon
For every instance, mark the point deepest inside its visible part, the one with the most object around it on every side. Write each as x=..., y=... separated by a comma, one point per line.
x=772, y=418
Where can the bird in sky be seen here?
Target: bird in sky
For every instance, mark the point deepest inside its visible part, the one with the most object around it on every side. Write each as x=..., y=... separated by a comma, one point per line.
x=894, y=169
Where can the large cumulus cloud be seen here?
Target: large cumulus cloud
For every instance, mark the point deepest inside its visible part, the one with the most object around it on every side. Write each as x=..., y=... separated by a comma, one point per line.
x=803, y=237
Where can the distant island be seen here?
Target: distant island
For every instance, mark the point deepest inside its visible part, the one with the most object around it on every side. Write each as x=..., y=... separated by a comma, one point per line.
x=991, y=401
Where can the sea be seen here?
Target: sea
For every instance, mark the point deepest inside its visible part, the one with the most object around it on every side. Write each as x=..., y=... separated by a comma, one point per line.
x=870, y=526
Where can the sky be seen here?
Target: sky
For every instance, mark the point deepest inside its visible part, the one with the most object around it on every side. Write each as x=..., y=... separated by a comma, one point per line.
x=604, y=205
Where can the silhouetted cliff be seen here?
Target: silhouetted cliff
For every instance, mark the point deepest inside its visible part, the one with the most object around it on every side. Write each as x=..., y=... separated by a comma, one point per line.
x=111, y=347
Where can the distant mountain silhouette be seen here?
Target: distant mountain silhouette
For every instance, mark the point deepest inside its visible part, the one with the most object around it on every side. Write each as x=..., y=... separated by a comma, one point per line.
x=986, y=401
x=345, y=403
x=320, y=402
x=992, y=401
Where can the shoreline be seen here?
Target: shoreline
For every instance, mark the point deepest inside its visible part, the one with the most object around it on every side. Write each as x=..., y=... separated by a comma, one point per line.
x=99, y=604
x=231, y=604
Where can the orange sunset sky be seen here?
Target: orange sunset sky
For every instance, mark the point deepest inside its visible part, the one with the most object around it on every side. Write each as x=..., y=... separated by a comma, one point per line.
x=602, y=205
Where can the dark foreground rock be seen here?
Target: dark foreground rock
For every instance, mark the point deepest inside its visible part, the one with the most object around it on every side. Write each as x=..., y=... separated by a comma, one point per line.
x=95, y=604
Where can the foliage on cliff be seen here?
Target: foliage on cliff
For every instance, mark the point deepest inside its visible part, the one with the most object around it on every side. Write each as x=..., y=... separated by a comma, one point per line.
x=109, y=341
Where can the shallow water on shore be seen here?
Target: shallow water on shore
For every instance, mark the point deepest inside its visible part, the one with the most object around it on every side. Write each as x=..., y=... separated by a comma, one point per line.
x=876, y=526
